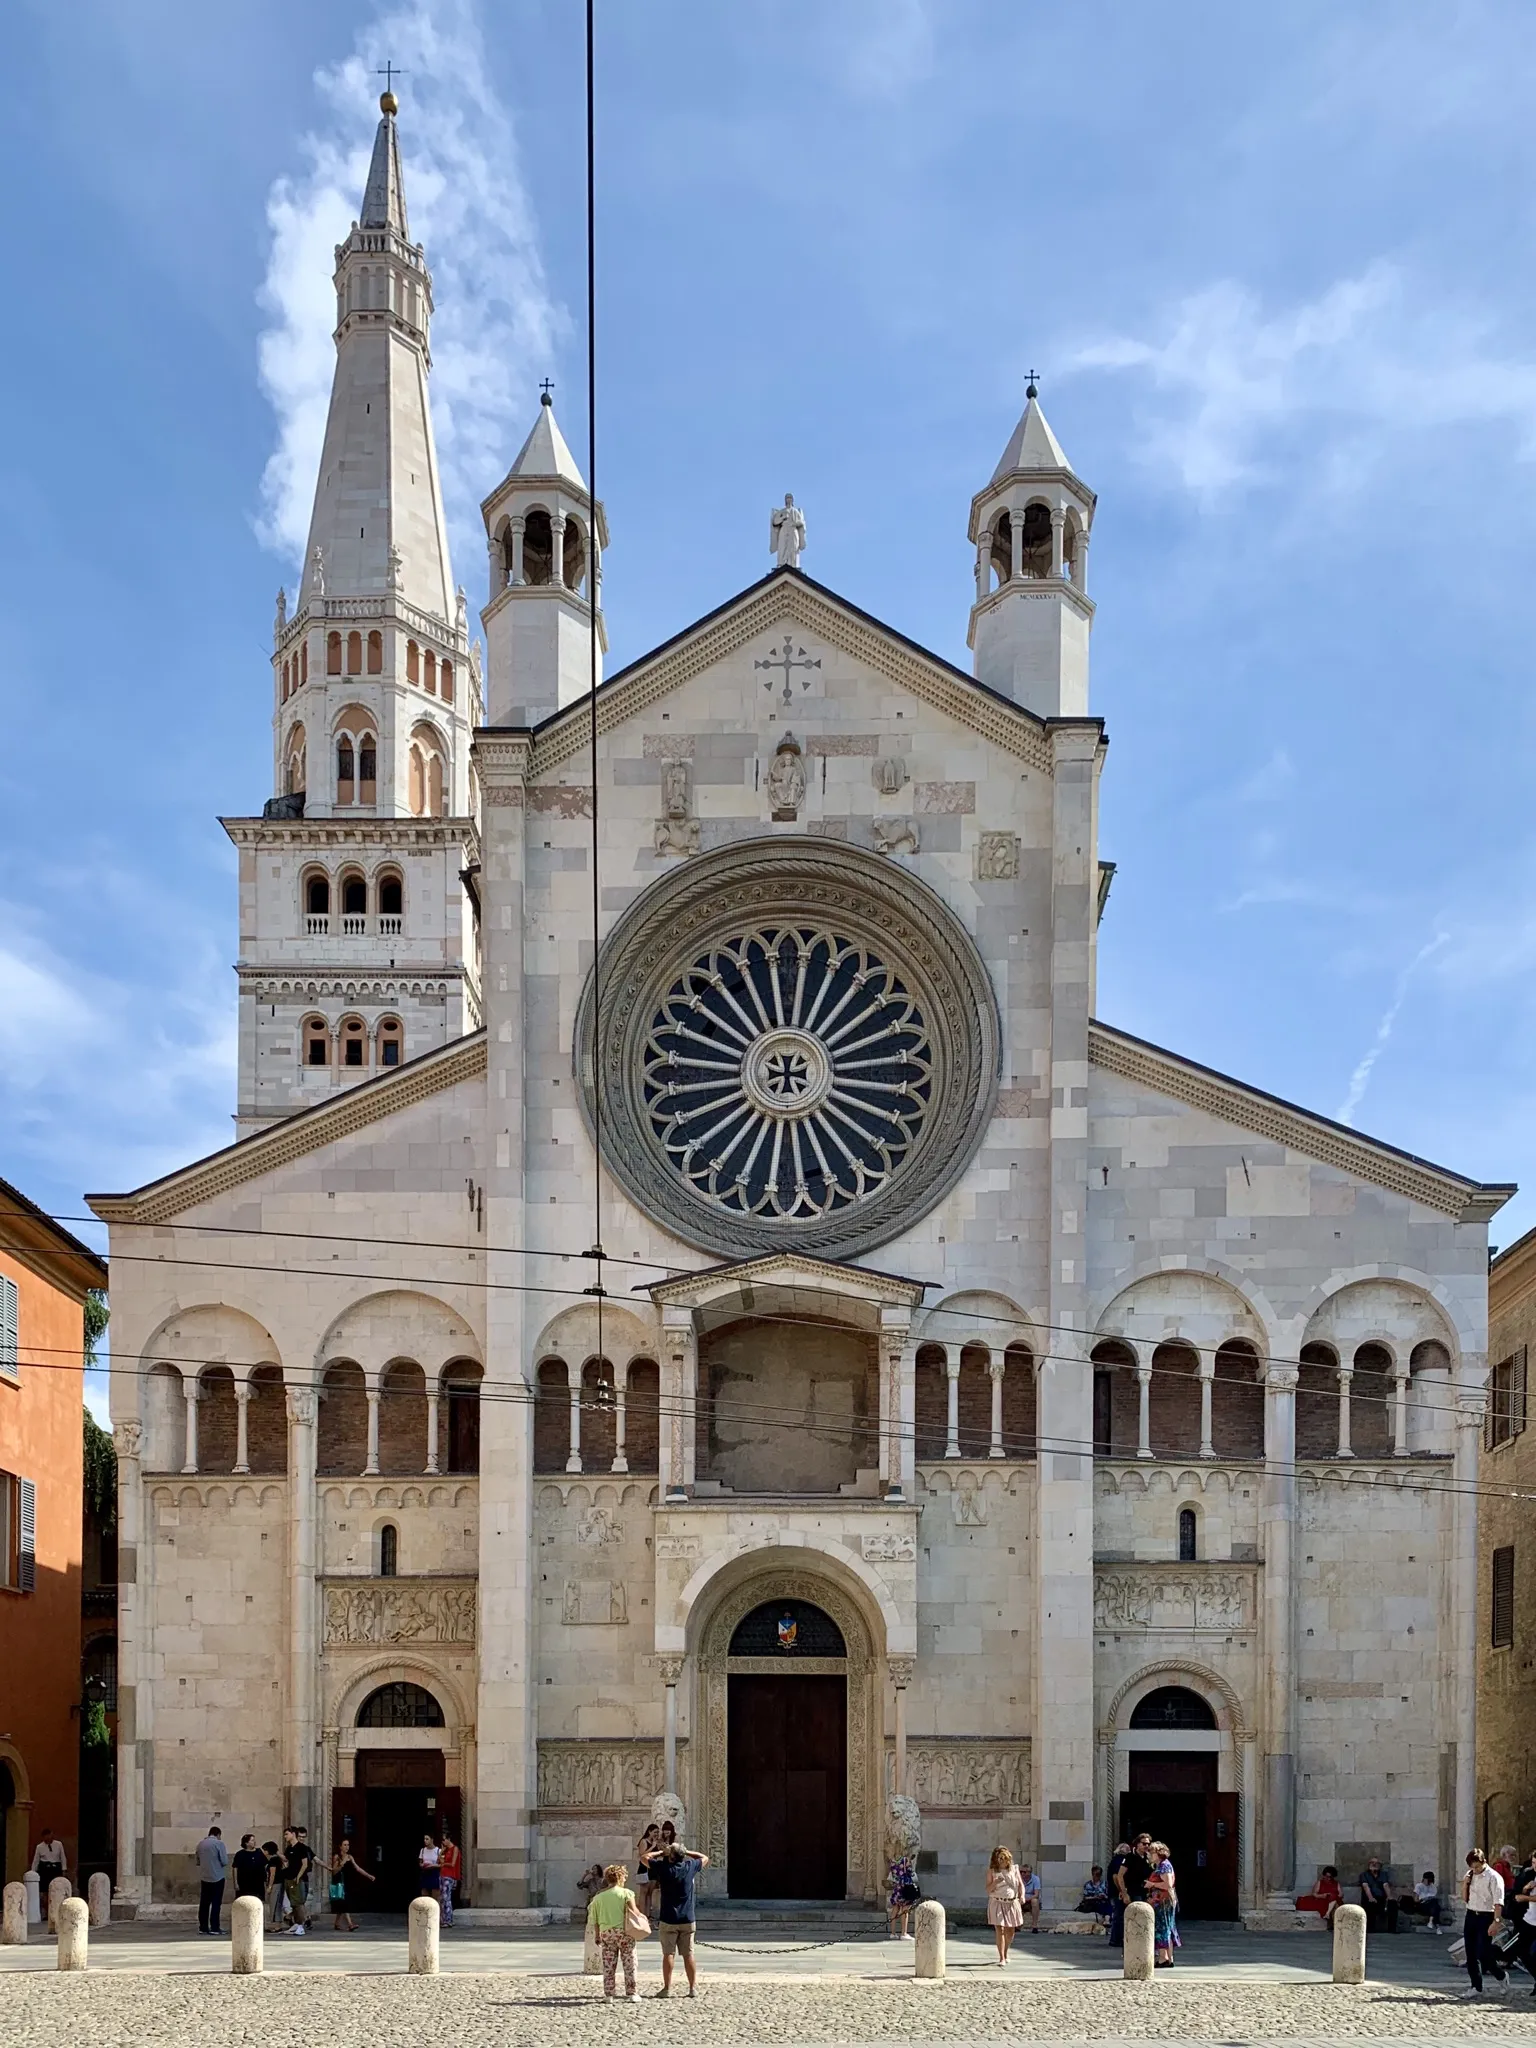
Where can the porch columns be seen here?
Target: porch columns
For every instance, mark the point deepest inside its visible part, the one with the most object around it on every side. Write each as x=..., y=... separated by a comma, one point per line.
x=190, y=1390
x=1143, y=1410
x=671, y=1672
x=1346, y=1378
x=620, y=1390
x=573, y=1381
x=952, y=1375
x=1399, y=1408
x=372, y=1465
x=1207, y=1383
x=901, y=1669
x=995, y=1371
x=242, y=1444
x=434, y=1396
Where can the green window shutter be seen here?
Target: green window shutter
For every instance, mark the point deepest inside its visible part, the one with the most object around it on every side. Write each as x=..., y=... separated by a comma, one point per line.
x=26, y=1548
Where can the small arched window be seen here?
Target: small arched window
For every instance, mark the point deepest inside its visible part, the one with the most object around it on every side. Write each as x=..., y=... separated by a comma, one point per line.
x=354, y=654
x=538, y=548
x=1188, y=1535
x=445, y=682
x=574, y=565
x=285, y=682
x=435, y=785
x=1002, y=546
x=1037, y=540
x=354, y=1043
x=417, y=794
x=391, y=895
x=344, y=767
x=391, y=1042
x=333, y=654
x=375, y=654
x=317, y=896
x=389, y=1551
x=400, y=1705
x=354, y=897
x=303, y=661
x=297, y=774
x=367, y=769
x=412, y=662
x=431, y=683
x=1172, y=1706
x=317, y=1043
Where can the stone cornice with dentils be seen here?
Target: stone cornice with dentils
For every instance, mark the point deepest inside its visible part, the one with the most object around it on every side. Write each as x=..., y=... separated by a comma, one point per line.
x=762, y=611
x=303, y=832
x=306, y=1131
x=1299, y=1130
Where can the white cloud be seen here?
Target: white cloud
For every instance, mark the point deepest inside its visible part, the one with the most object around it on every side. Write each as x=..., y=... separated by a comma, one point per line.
x=1359, y=1080
x=1315, y=393
x=496, y=327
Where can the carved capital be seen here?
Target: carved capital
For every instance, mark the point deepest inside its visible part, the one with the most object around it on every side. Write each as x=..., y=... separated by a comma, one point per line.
x=1283, y=1377
x=670, y=1668
x=303, y=1406
x=901, y=1670
x=126, y=1438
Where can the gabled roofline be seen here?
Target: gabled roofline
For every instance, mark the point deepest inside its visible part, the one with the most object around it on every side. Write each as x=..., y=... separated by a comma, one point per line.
x=805, y=1266
x=307, y=1130
x=816, y=608
x=1301, y=1130
x=32, y=1237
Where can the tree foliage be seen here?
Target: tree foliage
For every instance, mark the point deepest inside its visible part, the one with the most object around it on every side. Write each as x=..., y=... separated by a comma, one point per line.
x=100, y=1473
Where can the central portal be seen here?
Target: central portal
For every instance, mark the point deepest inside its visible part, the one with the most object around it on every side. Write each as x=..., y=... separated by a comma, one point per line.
x=788, y=1778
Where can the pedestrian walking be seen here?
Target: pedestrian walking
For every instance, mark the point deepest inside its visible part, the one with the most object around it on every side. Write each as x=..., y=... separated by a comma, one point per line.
x=250, y=1867
x=674, y=1871
x=1005, y=1901
x=901, y=1895
x=1482, y=1891
x=611, y=1917
x=428, y=1867
x=450, y=1866
x=344, y=1867
x=212, y=1870
x=1163, y=1897
x=49, y=1861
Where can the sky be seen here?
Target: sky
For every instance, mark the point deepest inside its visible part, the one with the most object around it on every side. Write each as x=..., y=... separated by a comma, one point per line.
x=1271, y=265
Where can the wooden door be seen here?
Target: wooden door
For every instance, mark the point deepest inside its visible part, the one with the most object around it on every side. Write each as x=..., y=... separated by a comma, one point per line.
x=787, y=1768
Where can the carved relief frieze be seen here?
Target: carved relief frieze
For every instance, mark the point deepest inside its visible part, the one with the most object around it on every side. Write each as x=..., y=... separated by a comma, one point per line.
x=1180, y=1600
x=399, y=1611
x=964, y=1773
x=997, y=857
x=887, y=1548
x=600, y=1774
x=595, y=1603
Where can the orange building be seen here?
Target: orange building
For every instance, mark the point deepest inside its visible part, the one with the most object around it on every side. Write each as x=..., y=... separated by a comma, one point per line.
x=45, y=1276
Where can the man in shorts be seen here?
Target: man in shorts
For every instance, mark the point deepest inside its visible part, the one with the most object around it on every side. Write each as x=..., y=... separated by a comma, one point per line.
x=673, y=1872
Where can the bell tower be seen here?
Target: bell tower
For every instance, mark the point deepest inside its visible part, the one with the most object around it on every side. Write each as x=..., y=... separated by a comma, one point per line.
x=545, y=580
x=357, y=936
x=1032, y=616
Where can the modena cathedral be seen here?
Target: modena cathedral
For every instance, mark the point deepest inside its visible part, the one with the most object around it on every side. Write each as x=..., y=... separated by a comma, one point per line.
x=972, y=1401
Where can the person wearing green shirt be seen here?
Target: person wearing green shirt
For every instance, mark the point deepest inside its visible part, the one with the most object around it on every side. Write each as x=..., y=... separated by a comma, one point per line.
x=606, y=1916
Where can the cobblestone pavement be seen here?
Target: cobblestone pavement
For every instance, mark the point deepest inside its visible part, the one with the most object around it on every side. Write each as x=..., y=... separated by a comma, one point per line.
x=166, y=1988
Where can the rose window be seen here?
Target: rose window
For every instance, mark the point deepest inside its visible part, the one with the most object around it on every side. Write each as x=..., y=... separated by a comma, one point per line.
x=788, y=1072
x=795, y=1047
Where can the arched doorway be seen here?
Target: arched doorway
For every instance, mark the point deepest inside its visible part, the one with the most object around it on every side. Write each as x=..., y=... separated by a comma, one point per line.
x=787, y=1743
x=398, y=1795
x=736, y=1741
x=1174, y=1797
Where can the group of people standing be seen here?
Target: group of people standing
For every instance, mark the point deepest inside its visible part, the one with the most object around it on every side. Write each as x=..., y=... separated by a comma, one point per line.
x=281, y=1876
x=1141, y=1872
x=617, y=1918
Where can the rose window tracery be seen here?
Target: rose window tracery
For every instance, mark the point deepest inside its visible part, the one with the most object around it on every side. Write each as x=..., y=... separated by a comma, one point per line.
x=797, y=1049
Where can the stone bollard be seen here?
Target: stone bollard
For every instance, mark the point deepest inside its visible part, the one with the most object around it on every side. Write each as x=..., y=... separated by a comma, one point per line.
x=74, y=1918
x=98, y=1894
x=928, y=1959
x=1349, y=1944
x=34, y=1903
x=13, y=1926
x=60, y=1890
x=421, y=1949
x=1140, y=1926
x=246, y=1952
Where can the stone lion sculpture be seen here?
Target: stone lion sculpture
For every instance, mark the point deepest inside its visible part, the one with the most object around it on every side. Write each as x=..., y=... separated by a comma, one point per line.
x=903, y=1828
x=667, y=1806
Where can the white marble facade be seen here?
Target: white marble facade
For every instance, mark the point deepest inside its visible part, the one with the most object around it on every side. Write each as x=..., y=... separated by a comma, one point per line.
x=1108, y=1375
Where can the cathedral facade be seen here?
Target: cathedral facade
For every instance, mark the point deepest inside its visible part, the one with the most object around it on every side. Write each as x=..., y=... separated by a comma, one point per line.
x=732, y=1322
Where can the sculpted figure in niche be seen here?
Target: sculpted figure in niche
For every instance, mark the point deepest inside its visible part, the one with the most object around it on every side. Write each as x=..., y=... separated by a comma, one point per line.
x=317, y=573
x=997, y=857
x=890, y=775
x=786, y=533
x=895, y=835
x=676, y=832
x=786, y=780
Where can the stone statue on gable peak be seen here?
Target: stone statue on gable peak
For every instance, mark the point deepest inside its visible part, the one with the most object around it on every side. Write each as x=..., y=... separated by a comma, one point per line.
x=786, y=533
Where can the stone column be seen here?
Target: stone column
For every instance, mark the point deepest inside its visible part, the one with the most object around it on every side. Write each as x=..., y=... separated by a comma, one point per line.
x=995, y=1370
x=506, y=1726
x=620, y=1392
x=906, y=1419
x=573, y=1383
x=1346, y=1379
x=135, y=1697
x=1082, y=560
x=242, y=1419
x=1278, y=1660
x=671, y=1671
x=1207, y=1386
x=952, y=1425
x=1400, y=1408
x=517, y=526
x=496, y=578
x=1461, y=1579
x=983, y=563
x=303, y=1722
x=190, y=1389
x=1016, y=546
x=890, y=1368
x=689, y=1406
x=434, y=1402
x=557, y=549
x=1143, y=1410
x=1063, y=1717
x=1058, y=542
x=371, y=1466
x=901, y=1669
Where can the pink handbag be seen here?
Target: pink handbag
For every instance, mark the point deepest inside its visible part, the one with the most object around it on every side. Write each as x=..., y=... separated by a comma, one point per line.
x=635, y=1923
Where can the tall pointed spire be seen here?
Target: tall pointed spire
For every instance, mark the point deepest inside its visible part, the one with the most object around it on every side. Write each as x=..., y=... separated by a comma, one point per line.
x=384, y=194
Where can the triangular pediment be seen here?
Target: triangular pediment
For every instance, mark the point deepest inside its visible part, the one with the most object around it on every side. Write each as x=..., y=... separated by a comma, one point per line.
x=789, y=1283
x=295, y=1136
x=787, y=598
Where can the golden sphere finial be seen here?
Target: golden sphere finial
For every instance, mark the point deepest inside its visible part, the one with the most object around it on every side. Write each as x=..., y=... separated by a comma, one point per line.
x=388, y=104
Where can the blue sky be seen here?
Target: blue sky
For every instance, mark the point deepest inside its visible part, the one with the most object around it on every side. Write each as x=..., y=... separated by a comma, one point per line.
x=1274, y=266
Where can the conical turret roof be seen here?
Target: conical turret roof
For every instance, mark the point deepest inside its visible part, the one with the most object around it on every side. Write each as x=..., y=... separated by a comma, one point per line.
x=1031, y=445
